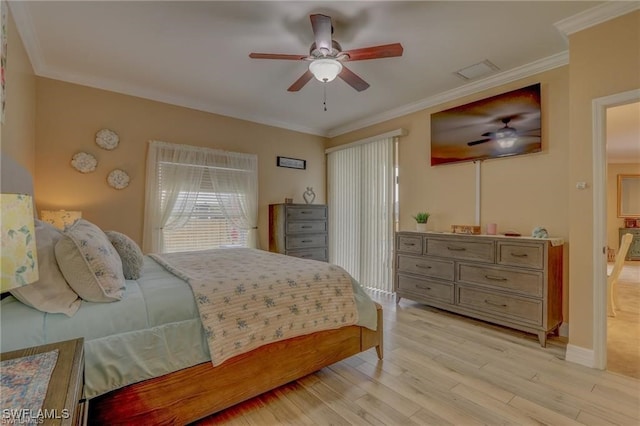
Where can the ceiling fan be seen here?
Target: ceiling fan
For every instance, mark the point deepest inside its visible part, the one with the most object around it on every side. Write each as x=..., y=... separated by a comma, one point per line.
x=505, y=136
x=326, y=57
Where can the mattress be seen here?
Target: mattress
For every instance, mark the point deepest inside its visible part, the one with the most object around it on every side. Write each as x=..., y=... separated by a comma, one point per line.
x=154, y=330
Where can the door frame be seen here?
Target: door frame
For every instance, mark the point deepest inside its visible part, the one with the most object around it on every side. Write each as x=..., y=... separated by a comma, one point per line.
x=599, y=114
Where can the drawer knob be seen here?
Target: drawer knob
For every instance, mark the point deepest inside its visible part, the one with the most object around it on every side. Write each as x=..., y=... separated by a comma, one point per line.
x=489, y=302
x=305, y=226
x=423, y=266
x=409, y=244
x=519, y=254
x=307, y=241
x=495, y=278
x=456, y=248
x=423, y=288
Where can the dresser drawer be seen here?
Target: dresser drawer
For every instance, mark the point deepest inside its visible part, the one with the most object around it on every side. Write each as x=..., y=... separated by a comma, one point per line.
x=410, y=244
x=521, y=281
x=306, y=213
x=300, y=227
x=306, y=241
x=512, y=307
x=525, y=255
x=426, y=266
x=461, y=249
x=313, y=254
x=428, y=289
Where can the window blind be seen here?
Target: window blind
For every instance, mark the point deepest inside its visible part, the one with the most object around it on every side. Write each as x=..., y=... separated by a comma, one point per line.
x=361, y=208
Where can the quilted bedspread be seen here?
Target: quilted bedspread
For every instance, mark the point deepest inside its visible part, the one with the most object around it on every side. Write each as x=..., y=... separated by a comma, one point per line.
x=248, y=298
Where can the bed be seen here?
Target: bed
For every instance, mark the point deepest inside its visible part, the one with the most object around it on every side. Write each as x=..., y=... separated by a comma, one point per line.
x=148, y=356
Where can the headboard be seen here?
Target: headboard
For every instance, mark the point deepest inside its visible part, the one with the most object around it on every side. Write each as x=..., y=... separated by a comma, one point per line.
x=14, y=178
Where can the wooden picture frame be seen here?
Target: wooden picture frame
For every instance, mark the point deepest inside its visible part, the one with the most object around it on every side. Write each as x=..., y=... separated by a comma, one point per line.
x=291, y=163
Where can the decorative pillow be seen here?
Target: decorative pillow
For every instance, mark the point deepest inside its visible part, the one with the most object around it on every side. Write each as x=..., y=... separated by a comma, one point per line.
x=50, y=293
x=89, y=263
x=130, y=254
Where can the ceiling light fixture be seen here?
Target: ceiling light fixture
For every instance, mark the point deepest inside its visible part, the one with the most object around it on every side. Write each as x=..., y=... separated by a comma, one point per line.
x=325, y=70
x=506, y=137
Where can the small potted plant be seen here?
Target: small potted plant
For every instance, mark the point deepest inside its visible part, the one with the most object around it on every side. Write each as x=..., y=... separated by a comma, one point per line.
x=421, y=221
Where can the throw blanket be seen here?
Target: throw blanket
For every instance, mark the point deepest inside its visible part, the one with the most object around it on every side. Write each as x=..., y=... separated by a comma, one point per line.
x=248, y=298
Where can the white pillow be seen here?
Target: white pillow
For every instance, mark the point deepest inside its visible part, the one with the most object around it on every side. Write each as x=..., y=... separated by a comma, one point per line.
x=89, y=263
x=50, y=293
x=130, y=254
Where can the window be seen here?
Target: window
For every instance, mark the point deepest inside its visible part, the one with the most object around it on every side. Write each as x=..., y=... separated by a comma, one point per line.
x=199, y=198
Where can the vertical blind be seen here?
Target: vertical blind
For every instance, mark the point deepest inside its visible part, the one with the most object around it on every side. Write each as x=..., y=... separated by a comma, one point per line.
x=361, y=206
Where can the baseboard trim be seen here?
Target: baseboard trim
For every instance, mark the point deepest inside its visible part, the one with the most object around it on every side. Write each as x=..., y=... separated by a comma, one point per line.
x=579, y=355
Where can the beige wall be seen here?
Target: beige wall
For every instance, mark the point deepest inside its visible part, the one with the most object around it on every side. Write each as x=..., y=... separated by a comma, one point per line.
x=614, y=223
x=18, y=134
x=518, y=193
x=69, y=116
x=604, y=60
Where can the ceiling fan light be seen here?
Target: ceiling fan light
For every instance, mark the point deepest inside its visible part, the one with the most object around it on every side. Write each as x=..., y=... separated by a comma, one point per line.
x=506, y=137
x=507, y=142
x=325, y=70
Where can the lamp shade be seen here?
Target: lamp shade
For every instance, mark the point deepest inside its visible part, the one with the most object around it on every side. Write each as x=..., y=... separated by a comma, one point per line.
x=325, y=70
x=19, y=254
x=60, y=218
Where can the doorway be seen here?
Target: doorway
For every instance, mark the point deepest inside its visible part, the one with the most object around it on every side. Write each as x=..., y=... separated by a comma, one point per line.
x=600, y=107
x=623, y=158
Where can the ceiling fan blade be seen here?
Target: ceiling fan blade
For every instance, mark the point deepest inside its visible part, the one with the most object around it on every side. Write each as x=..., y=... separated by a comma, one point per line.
x=276, y=56
x=375, y=52
x=299, y=84
x=352, y=79
x=321, y=25
x=478, y=142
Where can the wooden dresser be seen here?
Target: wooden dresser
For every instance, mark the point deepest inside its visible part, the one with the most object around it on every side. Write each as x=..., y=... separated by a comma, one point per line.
x=299, y=230
x=515, y=282
x=634, y=248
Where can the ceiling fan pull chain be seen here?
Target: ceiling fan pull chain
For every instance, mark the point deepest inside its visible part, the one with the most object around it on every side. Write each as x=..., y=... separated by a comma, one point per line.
x=324, y=102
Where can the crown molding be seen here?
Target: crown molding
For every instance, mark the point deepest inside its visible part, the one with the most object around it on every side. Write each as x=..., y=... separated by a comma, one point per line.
x=27, y=33
x=536, y=67
x=595, y=15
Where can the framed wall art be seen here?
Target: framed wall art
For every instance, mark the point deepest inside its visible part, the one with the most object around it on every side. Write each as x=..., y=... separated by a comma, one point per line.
x=291, y=163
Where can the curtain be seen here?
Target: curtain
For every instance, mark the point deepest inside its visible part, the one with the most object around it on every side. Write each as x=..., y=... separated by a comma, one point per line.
x=177, y=174
x=361, y=200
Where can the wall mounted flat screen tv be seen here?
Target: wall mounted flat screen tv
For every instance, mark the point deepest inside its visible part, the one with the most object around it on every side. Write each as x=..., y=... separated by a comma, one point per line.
x=499, y=126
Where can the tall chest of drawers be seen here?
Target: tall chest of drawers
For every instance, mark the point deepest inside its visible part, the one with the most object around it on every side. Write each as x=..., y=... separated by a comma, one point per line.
x=299, y=230
x=515, y=282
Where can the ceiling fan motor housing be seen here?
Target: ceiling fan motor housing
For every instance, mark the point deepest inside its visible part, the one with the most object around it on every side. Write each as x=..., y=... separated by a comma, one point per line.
x=315, y=53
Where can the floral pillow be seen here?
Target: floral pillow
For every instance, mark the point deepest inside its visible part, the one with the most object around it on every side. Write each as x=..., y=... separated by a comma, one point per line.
x=130, y=254
x=50, y=293
x=90, y=263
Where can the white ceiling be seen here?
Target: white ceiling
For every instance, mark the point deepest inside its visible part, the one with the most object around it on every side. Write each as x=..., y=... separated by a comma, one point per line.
x=195, y=54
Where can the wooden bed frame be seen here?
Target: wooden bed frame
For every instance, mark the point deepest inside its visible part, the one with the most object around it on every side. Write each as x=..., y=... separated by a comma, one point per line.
x=196, y=392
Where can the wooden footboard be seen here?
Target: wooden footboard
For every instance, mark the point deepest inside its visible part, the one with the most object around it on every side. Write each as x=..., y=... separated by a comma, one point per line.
x=196, y=392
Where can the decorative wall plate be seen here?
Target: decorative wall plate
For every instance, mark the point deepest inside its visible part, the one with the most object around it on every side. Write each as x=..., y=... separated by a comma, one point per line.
x=84, y=162
x=107, y=139
x=118, y=179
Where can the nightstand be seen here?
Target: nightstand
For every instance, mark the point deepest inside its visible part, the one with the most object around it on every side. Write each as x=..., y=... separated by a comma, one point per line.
x=64, y=391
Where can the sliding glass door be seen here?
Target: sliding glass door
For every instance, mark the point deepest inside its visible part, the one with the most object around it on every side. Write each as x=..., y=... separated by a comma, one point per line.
x=361, y=183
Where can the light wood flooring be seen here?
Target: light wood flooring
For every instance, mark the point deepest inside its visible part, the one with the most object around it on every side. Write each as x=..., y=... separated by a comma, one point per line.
x=623, y=331
x=443, y=369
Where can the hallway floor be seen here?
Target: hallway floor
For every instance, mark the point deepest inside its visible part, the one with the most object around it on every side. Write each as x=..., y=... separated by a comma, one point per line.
x=623, y=331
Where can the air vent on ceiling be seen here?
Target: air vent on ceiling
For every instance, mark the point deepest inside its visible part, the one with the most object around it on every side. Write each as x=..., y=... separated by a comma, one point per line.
x=474, y=71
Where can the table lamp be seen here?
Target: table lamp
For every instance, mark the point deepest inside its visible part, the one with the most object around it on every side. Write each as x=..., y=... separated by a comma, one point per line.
x=60, y=218
x=19, y=254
